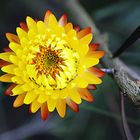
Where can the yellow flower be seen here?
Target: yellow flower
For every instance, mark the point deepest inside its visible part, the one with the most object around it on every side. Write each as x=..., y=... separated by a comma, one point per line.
x=50, y=64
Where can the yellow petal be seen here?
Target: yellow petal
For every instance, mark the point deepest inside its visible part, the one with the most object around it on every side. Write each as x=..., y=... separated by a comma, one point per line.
x=42, y=98
x=14, y=46
x=31, y=34
x=63, y=93
x=90, y=78
x=31, y=71
x=19, y=100
x=83, y=49
x=61, y=107
x=80, y=82
x=5, y=56
x=72, y=33
x=30, y=97
x=21, y=33
x=73, y=43
x=14, y=59
x=6, y=78
x=27, y=86
x=41, y=27
x=74, y=95
x=52, y=22
x=31, y=23
x=55, y=94
x=17, y=79
x=51, y=104
x=88, y=62
x=17, y=90
x=35, y=106
x=86, y=39
x=68, y=27
x=24, y=41
x=9, y=68
x=59, y=31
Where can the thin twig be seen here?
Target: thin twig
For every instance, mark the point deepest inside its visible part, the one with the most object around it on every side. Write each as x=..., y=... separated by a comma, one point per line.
x=125, y=124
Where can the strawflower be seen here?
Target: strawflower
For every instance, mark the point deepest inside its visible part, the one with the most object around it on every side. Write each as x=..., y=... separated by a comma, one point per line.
x=50, y=65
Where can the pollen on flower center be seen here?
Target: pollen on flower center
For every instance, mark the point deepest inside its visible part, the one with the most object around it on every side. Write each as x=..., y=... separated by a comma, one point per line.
x=48, y=61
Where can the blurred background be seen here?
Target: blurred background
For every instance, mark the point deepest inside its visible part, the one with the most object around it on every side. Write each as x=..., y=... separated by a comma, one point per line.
x=100, y=120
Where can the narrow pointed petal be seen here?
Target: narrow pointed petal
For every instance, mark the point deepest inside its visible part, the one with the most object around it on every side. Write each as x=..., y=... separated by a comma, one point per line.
x=30, y=97
x=31, y=35
x=41, y=27
x=96, y=54
x=61, y=107
x=4, y=63
x=42, y=98
x=5, y=56
x=52, y=22
x=17, y=90
x=35, y=106
x=12, y=38
x=80, y=82
x=24, y=26
x=74, y=95
x=6, y=78
x=90, y=78
x=96, y=71
x=63, y=94
x=9, y=89
x=44, y=111
x=19, y=100
x=83, y=49
x=21, y=33
x=7, y=49
x=68, y=27
x=93, y=47
x=46, y=18
x=72, y=105
x=86, y=39
x=91, y=87
x=89, y=62
x=77, y=28
x=14, y=46
x=63, y=20
x=9, y=69
x=31, y=23
x=83, y=32
x=85, y=94
x=51, y=104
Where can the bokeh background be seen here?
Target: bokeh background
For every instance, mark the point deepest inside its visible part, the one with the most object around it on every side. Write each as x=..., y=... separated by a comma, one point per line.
x=100, y=120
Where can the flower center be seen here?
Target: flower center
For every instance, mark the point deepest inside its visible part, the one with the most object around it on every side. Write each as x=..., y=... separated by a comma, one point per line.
x=55, y=65
x=48, y=61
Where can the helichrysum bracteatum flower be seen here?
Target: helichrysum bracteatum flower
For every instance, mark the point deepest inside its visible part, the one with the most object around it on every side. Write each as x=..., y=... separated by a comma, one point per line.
x=50, y=65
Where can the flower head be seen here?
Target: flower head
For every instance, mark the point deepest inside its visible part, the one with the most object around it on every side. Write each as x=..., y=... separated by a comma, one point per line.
x=50, y=64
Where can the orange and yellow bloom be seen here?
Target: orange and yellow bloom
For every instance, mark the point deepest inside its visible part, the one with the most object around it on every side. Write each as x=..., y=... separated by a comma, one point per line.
x=50, y=64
